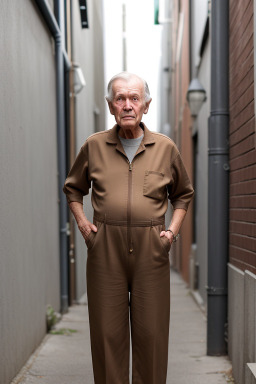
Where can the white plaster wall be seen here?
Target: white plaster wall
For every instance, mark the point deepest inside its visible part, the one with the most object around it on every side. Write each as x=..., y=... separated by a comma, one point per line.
x=241, y=324
x=236, y=322
x=250, y=317
x=88, y=53
x=29, y=236
x=199, y=15
x=201, y=188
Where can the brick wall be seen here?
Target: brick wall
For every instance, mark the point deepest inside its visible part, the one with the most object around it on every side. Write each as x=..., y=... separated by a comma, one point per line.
x=242, y=137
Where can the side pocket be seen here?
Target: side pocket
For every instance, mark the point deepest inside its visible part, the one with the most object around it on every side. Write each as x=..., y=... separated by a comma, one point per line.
x=154, y=185
x=164, y=242
x=92, y=237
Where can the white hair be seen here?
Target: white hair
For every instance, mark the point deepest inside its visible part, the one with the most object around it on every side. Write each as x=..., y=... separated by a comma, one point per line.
x=127, y=76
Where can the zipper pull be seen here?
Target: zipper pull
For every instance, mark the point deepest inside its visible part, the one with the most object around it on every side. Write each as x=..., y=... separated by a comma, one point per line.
x=130, y=166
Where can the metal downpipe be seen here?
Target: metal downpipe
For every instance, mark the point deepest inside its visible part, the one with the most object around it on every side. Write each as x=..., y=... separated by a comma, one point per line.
x=61, y=133
x=218, y=180
x=61, y=59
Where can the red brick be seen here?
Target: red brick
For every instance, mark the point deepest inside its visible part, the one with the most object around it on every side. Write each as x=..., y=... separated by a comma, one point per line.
x=242, y=147
x=246, y=259
x=243, y=255
x=248, y=201
x=240, y=67
x=246, y=98
x=238, y=51
x=242, y=266
x=241, y=32
x=240, y=58
x=243, y=188
x=241, y=48
x=242, y=213
x=245, y=115
x=245, y=215
x=243, y=161
x=242, y=132
x=244, y=242
x=246, y=229
x=237, y=10
x=242, y=85
x=244, y=174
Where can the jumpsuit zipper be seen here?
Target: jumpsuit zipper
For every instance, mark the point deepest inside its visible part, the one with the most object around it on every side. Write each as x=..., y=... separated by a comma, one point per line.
x=129, y=208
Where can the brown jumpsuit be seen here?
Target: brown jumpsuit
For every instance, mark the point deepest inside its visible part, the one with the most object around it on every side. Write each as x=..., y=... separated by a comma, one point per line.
x=127, y=254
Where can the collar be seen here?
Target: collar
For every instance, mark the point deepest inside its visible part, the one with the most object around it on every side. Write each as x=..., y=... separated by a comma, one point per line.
x=112, y=137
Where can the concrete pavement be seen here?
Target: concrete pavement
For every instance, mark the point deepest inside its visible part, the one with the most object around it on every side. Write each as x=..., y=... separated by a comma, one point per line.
x=66, y=359
x=188, y=363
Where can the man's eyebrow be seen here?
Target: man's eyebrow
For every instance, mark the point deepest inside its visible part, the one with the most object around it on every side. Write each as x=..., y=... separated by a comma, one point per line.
x=129, y=95
x=120, y=94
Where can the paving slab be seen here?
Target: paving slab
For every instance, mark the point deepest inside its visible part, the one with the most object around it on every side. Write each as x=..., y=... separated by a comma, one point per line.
x=66, y=359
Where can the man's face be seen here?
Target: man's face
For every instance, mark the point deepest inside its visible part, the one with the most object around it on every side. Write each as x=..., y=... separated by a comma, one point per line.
x=128, y=104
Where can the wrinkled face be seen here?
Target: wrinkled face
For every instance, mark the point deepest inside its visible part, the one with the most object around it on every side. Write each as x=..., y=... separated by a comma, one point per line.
x=128, y=104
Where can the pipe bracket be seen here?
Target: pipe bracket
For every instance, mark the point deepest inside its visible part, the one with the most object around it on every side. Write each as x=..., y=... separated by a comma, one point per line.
x=218, y=151
x=216, y=291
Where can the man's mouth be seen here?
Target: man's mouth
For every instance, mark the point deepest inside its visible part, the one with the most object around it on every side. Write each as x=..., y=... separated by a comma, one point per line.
x=128, y=117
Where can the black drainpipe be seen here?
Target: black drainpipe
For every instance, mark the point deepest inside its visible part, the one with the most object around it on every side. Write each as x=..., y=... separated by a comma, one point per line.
x=62, y=63
x=218, y=182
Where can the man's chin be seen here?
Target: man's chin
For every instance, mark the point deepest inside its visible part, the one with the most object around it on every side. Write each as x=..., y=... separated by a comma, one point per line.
x=128, y=124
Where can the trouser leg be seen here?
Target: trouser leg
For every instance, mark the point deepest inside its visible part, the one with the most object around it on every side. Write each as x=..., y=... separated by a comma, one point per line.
x=108, y=306
x=150, y=306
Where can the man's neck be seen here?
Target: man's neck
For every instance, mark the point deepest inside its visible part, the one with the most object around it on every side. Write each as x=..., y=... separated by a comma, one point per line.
x=130, y=133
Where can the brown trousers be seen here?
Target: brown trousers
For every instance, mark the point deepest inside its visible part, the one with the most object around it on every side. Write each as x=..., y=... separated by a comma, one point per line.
x=131, y=259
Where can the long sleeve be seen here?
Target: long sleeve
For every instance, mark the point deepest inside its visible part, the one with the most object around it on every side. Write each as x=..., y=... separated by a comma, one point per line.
x=78, y=182
x=181, y=190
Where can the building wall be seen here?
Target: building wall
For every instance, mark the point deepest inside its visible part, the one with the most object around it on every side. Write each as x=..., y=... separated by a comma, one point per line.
x=181, y=121
x=200, y=67
x=199, y=13
x=236, y=322
x=201, y=186
x=242, y=238
x=186, y=141
x=89, y=104
x=29, y=236
x=51, y=3
x=165, y=74
x=242, y=138
x=98, y=66
x=241, y=320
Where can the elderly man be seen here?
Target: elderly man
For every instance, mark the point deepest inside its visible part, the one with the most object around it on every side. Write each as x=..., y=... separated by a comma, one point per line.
x=132, y=172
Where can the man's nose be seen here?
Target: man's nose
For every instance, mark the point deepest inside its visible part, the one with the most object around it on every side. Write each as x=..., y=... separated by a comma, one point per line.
x=127, y=105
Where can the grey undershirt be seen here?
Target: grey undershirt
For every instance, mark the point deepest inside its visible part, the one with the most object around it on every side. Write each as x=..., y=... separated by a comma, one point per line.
x=130, y=146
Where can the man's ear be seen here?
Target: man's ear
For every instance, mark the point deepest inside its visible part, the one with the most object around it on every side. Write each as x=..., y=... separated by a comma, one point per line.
x=111, y=110
x=147, y=106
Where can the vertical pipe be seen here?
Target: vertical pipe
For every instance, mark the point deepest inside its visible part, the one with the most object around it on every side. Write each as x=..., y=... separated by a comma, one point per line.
x=72, y=155
x=61, y=135
x=218, y=180
x=61, y=58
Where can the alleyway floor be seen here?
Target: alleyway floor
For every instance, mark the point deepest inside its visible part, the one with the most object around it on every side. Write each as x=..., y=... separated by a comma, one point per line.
x=66, y=358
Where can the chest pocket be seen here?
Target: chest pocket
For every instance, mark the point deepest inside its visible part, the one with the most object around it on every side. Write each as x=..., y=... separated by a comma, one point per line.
x=154, y=185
